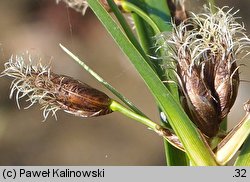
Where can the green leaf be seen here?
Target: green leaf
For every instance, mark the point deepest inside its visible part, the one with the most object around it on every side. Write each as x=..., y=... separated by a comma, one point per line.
x=127, y=28
x=133, y=8
x=244, y=157
x=160, y=14
x=233, y=141
x=146, y=30
x=142, y=32
x=184, y=128
x=174, y=157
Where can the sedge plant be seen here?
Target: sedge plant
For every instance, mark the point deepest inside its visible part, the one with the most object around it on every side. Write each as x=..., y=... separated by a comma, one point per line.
x=187, y=60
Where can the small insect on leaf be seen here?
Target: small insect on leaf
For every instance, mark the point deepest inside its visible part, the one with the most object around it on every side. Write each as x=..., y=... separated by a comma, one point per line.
x=54, y=92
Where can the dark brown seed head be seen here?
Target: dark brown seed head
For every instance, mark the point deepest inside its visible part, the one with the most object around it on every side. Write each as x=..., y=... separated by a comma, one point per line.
x=55, y=92
x=226, y=85
x=76, y=97
x=205, y=57
x=201, y=105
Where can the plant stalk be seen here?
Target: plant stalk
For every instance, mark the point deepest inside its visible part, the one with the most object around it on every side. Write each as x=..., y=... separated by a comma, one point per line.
x=233, y=141
x=164, y=132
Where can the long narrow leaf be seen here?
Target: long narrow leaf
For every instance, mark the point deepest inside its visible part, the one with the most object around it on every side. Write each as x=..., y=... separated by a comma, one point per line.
x=233, y=141
x=184, y=128
x=160, y=13
x=127, y=28
x=244, y=157
x=174, y=157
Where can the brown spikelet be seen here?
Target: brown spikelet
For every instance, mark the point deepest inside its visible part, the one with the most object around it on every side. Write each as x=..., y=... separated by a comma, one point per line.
x=201, y=104
x=206, y=61
x=226, y=84
x=76, y=97
x=54, y=92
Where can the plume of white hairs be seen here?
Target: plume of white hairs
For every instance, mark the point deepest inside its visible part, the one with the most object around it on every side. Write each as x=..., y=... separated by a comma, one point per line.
x=26, y=75
x=78, y=5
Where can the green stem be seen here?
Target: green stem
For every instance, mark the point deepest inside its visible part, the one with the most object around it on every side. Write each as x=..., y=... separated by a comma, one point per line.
x=142, y=32
x=128, y=30
x=244, y=157
x=145, y=32
x=159, y=13
x=212, y=3
x=115, y=106
x=133, y=8
x=164, y=132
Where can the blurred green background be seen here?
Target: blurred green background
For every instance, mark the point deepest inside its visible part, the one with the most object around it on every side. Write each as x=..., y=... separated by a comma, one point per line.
x=39, y=26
